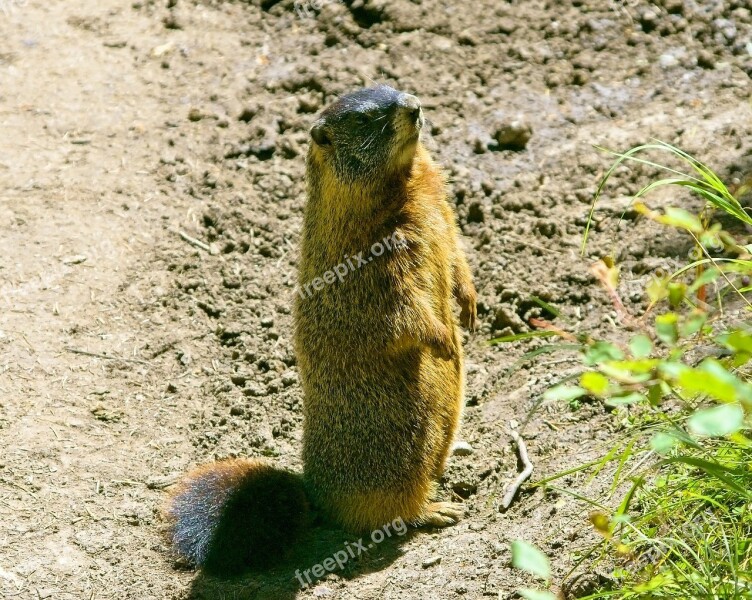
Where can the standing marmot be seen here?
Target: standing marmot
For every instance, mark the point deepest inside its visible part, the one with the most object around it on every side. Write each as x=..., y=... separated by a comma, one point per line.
x=377, y=346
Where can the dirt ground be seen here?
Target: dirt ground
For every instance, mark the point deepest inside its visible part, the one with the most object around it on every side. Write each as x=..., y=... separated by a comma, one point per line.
x=130, y=354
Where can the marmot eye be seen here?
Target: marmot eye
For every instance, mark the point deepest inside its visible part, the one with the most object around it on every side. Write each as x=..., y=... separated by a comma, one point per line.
x=362, y=119
x=320, y=136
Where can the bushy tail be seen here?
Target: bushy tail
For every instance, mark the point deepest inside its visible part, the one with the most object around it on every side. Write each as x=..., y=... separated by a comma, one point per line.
x=237, y=514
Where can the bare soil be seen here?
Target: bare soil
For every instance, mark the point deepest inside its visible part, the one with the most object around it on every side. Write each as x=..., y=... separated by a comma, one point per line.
x=130, y=354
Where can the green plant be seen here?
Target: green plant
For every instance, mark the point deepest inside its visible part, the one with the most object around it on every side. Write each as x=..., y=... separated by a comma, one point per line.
x=685, y=370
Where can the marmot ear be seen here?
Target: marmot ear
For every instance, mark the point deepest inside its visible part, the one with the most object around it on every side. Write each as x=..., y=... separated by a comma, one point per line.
x=319, y=135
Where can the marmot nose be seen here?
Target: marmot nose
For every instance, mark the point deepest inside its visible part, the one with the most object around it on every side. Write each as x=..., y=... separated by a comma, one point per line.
x=410, y=104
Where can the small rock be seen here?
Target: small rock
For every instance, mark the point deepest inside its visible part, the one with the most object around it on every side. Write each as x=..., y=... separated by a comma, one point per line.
x=238, y=379
x=162, y=49
x=254, y=390
x=267, y=322
x=705, y=59
x=195, y=115
x=309, y=103
x=513, y=135
x=74, y=260
x=467, y=38
x=668, y=61
x=462, y=449
x=648, y=20
x=430, y=562
x=103, y=413
x=479, y=144
x=237, y=410
x=726, y=28
x=505, y=318
x=505, y=25
x=289, y=378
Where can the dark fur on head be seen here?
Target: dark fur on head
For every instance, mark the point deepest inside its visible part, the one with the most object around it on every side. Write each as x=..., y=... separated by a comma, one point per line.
x=368, y=132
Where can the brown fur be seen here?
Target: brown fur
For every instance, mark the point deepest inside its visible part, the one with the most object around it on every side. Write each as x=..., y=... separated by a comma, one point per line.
x=379, y=352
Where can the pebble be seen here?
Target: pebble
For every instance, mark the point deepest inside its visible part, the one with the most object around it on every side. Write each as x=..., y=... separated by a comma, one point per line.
x=467, y=38
x=74, y=260
x=705, y=59
x=289, y=378
x=254, y=389
x=430, y=562
x=462, y=449
x=513, y=135
x=668, y=61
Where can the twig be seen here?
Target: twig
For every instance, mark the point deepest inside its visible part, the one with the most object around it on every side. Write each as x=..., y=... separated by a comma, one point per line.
x=105, y=356
x=20, y=487
x=164, y=348
x=198, y=243
x=522, y=477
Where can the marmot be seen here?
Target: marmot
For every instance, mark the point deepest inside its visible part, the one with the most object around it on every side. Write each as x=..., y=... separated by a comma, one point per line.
x=377, y=345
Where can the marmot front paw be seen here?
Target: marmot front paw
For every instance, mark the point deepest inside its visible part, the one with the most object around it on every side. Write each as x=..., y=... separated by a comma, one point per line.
x=467, y=299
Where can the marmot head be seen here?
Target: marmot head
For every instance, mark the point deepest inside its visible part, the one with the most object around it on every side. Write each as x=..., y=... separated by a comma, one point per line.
x=367, y=136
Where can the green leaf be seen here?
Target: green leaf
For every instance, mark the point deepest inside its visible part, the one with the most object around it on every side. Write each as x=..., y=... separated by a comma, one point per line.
x=657, y=391
x=663, y=442
x=640, y=346
x=656, y=289
x=594, y=382
x=635, y=367
x=703, y=381
x=627, y=371
x=676, y=293
x=678, y=217
x=599, y=352
x=529, y=594
x=528, y=558
x=717, y=421
x=657, y=582
x=692, y=323
x=666, y=328
x=706, y=277
x=567, y=393
x=631, y=398
x=740, y=341
x=672, y=369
